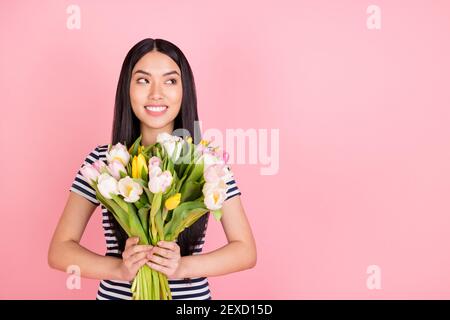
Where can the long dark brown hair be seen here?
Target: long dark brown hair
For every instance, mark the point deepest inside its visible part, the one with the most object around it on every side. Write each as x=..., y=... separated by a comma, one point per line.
x=126, y=126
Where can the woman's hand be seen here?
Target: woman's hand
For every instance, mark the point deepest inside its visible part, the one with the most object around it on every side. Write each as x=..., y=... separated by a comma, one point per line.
x=134, y=257
x=166, y=258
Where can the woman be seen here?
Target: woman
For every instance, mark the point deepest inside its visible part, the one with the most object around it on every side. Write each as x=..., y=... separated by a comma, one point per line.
x=155, y=94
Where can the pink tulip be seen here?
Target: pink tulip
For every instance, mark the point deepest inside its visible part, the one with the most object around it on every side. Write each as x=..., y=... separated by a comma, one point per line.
x=154, y=161
x=115, y=167
x=99, y=165
x=90, y=173
x=159, y=181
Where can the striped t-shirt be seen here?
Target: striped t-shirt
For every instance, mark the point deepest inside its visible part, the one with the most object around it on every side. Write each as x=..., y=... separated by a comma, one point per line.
x=110, y=289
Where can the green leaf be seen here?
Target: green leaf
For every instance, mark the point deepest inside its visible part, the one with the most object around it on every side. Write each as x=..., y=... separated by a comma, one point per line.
x=120, y=202
x=122, y=174
x=144, y=173
x=118, y=213
x=156, y=204
x=136, y=227
x=191, y=190
x=143, y=217
x=149, y=194
x=180, y=214
x=191, y=217
x=197, y=172
x=217, y=214
x=135, y=145
x=159, y=225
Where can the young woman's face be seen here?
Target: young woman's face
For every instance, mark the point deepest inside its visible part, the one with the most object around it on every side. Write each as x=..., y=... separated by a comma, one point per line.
x=156, y=90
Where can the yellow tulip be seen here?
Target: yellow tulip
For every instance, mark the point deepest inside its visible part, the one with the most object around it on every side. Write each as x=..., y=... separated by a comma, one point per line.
x=134, y=167
x=173, y=202
x=189, y=140
x=139, y=166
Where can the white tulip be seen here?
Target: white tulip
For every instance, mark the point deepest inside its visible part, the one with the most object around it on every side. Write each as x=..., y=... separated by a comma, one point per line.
x=130, y=189
x=209, y=187
x=106, y=185
x=118, y=152
x=172, y=144
x=214, y=172
x=209, y=160
x=160, y=182
x=90, y=173
x=215, y=198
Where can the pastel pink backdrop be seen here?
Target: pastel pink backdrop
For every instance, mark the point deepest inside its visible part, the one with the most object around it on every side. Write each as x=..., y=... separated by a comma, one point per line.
x=364, y=136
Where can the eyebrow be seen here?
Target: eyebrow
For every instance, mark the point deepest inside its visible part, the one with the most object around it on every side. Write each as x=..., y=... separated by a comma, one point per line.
x=149, y=74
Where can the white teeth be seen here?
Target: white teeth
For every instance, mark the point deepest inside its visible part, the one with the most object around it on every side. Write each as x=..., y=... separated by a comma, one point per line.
x=156, y=109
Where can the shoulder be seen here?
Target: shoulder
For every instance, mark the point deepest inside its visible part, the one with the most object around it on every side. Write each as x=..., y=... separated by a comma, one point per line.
x=97, y=152
x=101, y=150
x=102, y=147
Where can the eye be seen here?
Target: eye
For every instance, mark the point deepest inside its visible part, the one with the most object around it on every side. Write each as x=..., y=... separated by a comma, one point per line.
x=174, y=81
x=141, y=79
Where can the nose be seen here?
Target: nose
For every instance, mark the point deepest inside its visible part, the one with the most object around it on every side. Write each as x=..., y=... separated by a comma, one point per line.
x=155, y=92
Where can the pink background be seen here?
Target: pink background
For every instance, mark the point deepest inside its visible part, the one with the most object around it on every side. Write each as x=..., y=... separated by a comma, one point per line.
x=364, y=135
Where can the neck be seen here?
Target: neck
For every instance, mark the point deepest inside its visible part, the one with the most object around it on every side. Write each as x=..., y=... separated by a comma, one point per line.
x=149, y=134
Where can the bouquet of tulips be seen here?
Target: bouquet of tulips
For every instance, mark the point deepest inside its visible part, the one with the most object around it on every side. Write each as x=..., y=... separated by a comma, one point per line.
x=155, y=192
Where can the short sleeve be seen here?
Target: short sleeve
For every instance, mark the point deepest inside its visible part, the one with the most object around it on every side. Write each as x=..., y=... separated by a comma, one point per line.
x=232, y=188
x=80, y=184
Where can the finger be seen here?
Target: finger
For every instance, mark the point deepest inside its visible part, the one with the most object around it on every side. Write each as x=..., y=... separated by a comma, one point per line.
x=166, y=253
x=140, y=248
x=135, y=249
x=136, y=257
x=171, y=245
x=136, y=266
x=131, y=242
x=159, y=268
x=158, y=260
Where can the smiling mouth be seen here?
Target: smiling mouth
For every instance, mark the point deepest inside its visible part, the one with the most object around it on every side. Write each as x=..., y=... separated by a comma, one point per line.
x=156, y=108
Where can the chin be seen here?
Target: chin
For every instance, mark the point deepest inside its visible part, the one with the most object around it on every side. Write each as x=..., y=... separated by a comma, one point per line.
x=157, y=124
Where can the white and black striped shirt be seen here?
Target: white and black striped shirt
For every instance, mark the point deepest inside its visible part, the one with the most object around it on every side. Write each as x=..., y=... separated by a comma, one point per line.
x=181, y=289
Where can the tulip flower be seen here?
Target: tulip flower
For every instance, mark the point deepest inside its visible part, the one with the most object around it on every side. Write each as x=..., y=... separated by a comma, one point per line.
x=90, y=173
x=130, y=189
x=214, y=172
x=139, y=166
x=159, y=181
x=209, y=187
x=115, y=167
x=215, y=199
x=173, y=201
x=100, y=166
x=172, y=144
x=107, y=185
x=118, y=152
x=154, y=161
x=209, y=160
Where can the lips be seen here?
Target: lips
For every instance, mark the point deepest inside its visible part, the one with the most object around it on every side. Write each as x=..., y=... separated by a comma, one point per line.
x=156, y=110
